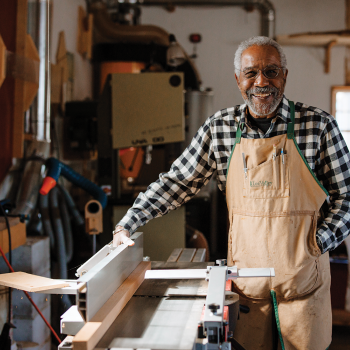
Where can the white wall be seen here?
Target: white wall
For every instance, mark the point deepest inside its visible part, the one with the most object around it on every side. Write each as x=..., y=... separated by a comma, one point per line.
x=65, y=17
x=223, y=28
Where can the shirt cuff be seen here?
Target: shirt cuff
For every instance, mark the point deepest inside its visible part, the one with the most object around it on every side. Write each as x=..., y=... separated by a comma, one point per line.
x=323, y=238
x=319, y=243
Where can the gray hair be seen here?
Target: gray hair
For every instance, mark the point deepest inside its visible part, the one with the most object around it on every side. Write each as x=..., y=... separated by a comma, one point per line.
x=257, y=41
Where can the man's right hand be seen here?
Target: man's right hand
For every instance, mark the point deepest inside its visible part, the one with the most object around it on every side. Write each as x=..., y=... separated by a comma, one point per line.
x=120, y=236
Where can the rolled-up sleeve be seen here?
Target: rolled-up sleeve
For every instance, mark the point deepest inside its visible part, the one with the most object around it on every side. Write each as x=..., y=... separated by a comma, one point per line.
x=334, y=173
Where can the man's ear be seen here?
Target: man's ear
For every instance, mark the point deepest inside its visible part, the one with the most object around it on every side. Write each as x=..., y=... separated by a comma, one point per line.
x=237, y=79
x=285, y=74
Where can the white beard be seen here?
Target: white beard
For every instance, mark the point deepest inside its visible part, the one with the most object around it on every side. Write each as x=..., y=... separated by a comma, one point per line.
x=261, y=109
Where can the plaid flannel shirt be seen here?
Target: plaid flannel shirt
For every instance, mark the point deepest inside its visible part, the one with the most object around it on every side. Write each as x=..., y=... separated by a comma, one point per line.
x=317, y=135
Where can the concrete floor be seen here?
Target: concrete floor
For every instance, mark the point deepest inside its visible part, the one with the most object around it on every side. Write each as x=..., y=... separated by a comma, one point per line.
x=341, y=338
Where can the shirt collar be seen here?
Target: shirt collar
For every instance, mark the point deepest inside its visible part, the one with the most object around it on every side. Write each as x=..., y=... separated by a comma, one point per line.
x=283, y=111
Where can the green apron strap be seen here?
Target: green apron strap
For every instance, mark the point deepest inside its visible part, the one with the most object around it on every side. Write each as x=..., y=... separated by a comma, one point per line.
x=290, y=129
x=275, y=308
x=237, y=140
x=290, y=136
x=239, y=132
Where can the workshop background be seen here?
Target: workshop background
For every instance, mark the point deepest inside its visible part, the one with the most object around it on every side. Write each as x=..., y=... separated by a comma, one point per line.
x=55, y=102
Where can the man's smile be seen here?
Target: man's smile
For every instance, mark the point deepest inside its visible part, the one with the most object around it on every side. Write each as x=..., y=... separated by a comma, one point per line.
x=262, y=97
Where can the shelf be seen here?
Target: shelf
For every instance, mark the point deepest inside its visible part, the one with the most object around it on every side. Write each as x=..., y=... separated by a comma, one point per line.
x=317, y=39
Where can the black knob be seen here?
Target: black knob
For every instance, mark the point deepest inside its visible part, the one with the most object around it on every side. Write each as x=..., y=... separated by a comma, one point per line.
x=214, y=307
x=243, y=308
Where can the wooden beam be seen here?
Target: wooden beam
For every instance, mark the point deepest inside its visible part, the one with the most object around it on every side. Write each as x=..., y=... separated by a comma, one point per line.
x=61, y=56
x=18, y=100
x=10, y=31
x=2, y=61
x=88, y=337
x=327, y=61
x=313, y=39
x=31, y=87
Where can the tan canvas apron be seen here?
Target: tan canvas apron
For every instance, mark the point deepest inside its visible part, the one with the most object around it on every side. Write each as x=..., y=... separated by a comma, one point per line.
x=273, y=211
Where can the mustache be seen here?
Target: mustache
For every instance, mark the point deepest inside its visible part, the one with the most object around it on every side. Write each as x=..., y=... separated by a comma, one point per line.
x=262, y=90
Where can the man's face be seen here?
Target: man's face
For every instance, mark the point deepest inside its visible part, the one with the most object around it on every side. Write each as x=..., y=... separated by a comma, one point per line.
x=261, y=94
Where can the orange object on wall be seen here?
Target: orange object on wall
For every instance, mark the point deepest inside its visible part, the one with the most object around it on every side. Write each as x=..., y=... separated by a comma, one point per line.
x=131, y=160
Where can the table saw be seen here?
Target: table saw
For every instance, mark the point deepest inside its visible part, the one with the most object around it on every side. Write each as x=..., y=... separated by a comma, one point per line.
x=123, y=302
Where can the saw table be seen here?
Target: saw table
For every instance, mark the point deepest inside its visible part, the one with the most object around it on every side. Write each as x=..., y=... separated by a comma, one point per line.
x=121, y=303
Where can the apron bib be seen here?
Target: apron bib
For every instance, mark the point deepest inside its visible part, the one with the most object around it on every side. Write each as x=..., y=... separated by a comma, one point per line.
x=273, y=203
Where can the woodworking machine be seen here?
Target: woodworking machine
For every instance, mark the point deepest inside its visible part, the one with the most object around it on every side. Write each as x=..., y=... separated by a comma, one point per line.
x=122, y=304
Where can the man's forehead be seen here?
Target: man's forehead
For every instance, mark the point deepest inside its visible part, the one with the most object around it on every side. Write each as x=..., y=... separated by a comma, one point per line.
x=260, y=55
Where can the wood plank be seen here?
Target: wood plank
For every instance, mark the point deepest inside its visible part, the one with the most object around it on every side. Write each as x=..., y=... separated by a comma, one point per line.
x=28, y=282
x=175, y=255
x=314, y=39
x=8, y=34
x=31, y=87
x=18, y=234
x=18, y=98
x=88, y=34
x=93, y=331
x=2, y=61
x=200, y=255
x=187, y=255
x=61, y=56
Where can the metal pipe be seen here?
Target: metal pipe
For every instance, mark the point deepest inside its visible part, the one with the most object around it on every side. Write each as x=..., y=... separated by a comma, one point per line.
x=41, y=124
x=265, y=7
x=119, y=32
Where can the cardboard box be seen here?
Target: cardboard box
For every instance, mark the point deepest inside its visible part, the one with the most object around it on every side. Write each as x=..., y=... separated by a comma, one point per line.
x=147, y=108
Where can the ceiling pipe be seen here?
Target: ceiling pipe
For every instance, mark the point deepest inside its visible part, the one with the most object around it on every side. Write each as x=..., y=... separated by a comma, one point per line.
x=125, y=33
x=265, y=7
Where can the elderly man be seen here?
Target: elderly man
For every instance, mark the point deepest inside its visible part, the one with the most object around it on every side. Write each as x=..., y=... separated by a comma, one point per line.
x=278, y=162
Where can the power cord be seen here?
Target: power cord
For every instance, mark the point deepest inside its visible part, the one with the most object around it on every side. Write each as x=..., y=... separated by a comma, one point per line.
x=5, y=340
x=31, y=300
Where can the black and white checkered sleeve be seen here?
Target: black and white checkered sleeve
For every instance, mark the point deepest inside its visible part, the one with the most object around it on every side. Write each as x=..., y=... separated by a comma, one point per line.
x=185, y=178
x=334, y=173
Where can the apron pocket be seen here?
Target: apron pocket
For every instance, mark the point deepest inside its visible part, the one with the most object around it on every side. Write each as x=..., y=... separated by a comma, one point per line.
x=284, y=241
x=293, y=252
x=248, y=248
x=268, y=180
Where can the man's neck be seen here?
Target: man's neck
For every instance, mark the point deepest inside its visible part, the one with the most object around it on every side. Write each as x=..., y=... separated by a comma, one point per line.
x=252, y=114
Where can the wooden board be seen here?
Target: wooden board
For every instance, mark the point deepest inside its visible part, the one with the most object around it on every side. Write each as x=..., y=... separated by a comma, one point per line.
x=2, y=61
x=84, y=37
x=18, y=234
x=18, y=100
x=61, y=56
x=31, y=87
x=28, y=282
x=92, y=332
x=13, y=28
x=313, y=39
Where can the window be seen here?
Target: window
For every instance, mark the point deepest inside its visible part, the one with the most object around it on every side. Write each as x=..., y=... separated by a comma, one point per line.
x=341, y=110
